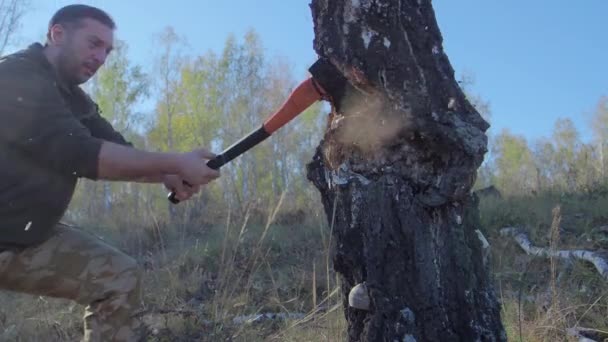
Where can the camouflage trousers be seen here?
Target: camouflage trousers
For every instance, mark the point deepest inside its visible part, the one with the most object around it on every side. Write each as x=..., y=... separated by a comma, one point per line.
x=75, y=265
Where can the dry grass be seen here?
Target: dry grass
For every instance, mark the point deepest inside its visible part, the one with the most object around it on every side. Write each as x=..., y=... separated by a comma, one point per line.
x=195, y=287
x=544, y=298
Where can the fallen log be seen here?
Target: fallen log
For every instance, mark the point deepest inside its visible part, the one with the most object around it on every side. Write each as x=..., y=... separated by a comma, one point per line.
x=155, y=320
x=598, y=259
x=588, y=334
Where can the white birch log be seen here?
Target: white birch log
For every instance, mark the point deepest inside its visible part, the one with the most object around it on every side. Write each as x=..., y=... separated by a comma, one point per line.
x=596, y=258
x=587, y=334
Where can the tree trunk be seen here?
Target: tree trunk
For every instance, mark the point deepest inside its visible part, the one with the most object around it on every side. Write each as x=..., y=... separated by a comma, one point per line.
x=395, y=169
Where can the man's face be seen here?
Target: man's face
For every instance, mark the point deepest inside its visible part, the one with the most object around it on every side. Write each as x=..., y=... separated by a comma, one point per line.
x=83, y=50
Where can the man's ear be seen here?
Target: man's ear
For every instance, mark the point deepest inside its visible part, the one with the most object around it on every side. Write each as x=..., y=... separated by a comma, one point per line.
x=57, y=34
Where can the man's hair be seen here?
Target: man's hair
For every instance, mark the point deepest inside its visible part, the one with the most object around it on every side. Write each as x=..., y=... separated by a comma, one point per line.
x=71, y=16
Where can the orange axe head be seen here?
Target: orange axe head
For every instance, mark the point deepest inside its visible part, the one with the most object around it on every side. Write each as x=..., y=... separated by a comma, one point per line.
x=326, y=83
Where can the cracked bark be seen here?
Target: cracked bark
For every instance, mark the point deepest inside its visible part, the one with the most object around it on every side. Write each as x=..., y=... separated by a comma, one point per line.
x=396, y=166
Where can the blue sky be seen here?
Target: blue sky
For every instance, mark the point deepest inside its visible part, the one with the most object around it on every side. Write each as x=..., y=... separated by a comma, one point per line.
x=533, y=61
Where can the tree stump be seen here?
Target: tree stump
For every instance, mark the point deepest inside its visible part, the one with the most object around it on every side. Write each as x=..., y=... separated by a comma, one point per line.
x=395, y=170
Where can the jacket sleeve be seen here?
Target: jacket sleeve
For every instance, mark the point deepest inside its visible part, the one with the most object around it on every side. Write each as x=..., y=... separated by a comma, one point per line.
x=35, y=120
x=102, y=129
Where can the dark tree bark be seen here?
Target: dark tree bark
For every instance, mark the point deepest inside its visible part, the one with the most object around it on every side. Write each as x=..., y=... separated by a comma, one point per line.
x=395, y=169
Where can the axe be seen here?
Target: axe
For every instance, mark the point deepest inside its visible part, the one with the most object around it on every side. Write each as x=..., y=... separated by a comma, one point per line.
x=326, y=83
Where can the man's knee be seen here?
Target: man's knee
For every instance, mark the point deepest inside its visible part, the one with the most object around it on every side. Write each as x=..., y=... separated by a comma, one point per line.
x=115, y=277
x=126, y=277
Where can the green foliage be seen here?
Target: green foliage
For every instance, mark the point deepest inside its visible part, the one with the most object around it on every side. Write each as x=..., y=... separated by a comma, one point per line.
x=559, y=163
x=215, y=100
x=514, y=163
x=117, y=88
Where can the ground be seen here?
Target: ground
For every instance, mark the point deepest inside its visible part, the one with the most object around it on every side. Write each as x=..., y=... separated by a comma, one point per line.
x=214, y=284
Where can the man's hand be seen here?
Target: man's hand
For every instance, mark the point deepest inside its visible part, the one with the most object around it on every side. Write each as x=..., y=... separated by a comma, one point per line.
x=194, y=170
x=182, y=192
x=193, y=167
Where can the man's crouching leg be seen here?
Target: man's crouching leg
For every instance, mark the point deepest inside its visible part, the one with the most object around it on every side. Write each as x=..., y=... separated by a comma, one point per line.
x=78, y=266
x=109, y=316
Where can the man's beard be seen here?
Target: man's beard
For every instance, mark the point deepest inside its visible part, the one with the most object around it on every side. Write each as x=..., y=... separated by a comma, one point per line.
x=68, y=68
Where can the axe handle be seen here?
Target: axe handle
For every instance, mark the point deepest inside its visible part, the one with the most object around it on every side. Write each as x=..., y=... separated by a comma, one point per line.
x=302, y=97
x=232, y=152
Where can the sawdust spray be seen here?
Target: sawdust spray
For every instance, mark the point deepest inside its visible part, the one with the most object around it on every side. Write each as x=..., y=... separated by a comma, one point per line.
x=367, y=122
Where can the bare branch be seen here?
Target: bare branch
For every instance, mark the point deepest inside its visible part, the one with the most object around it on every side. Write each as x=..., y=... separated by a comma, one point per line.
x=11, y=13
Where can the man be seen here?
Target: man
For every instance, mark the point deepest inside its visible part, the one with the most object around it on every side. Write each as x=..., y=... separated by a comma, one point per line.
x=51, y=134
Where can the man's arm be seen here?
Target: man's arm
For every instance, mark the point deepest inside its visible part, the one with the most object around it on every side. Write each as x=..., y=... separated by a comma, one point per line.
x=37, y=123
x=118, y=162
x=123, y=163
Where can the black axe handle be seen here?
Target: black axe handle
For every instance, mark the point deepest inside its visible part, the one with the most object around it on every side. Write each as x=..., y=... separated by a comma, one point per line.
x=230, y=153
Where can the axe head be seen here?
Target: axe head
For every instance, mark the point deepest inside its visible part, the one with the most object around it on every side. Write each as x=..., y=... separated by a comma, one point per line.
x=334, y=85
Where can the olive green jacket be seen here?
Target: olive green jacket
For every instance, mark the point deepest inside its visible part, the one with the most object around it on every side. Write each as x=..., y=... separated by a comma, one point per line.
x=50, y=135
